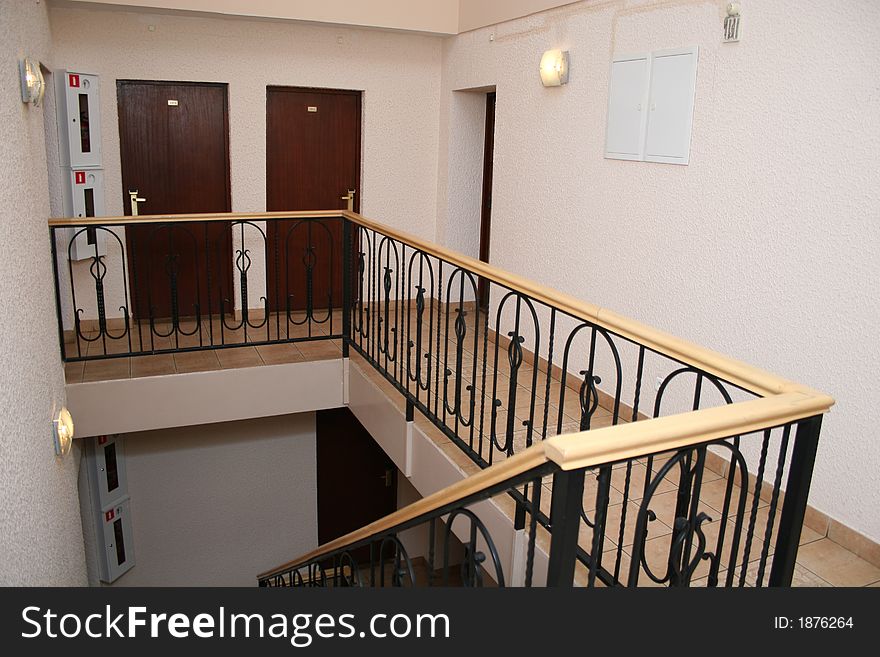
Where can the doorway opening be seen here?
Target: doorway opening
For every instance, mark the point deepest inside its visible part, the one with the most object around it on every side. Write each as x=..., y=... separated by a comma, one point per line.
x=357, y=482
x=486, y=205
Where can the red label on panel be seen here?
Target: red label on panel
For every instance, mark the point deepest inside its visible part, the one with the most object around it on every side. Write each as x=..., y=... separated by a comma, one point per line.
x=81, y=180
x=73, y=80
x=101, y=439
x=109, y=515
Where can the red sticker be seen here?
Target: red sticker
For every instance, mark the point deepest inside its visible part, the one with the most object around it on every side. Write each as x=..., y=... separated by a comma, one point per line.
x=81, y=180
x=101, y=439
x=109, y=515
x=73, y=80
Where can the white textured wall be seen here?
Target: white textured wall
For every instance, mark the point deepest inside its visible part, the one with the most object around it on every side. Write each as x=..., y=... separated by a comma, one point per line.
x=217, y=504
x=436, y=16
x=40, y=531
x=764, y=247
x=398, y=73
x=480, y=13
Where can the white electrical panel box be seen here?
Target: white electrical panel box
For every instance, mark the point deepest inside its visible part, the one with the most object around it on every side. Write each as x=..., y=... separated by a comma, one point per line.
x=79, y=119
x=626, y=125
x=651, y=106
x=83, y=196
x=110, y=505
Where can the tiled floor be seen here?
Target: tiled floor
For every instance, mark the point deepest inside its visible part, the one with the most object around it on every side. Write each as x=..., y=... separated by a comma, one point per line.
x=199, y=361
x=821, y=561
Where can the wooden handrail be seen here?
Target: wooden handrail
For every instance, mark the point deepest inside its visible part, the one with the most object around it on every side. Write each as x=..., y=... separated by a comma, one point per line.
x=740, y=374
x=65, y=222
x=728, y=369
x=782, y=401
x=673, y=432
x=484, y=479
x=598, y=447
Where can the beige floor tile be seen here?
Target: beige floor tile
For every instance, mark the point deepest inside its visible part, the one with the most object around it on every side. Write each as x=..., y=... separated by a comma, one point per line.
x=836, y=565
x=637, y=476
x=714, y=492
x=106, y=370
x=656, y=551
x=196, y=361
x=239, y=357
x=73, y=372
x=612, y=525
x=155, y=365
x=273, y=354
x=855, y=542
x=462, y=460
x=109, y=346
x=320, y=349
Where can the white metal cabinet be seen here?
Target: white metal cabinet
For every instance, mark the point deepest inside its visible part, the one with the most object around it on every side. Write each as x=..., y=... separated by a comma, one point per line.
x=671, y=106
x=626, y=125
x=651, y=106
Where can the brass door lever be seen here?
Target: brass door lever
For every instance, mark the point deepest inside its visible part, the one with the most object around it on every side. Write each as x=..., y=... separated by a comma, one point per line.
x=135, y=199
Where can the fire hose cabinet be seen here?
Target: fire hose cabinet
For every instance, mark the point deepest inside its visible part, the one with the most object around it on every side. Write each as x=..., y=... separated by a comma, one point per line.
x=83, y=197
x=116, y=553
x=77, y=96
x=110, y=505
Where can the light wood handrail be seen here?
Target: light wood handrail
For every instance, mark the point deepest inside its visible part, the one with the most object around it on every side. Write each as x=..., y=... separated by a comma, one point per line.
x=782, y=401
x=672, y=432
x=598, y=447
x=484, y=479
x=728, y=369
x=64, y=222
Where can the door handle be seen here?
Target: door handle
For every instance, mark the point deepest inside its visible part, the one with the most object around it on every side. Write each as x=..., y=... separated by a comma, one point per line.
x=350, y=198
x=388, y=477
x=135, y=199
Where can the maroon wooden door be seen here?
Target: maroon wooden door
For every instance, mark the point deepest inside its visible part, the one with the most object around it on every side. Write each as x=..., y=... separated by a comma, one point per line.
x=357, y=482
x=313, y=152
x=175, y=152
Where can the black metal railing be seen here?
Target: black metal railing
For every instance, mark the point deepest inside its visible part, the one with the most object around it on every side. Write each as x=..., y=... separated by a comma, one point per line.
x=138, y=287
x=380, y=559
x=496, y=380
x=697, y=545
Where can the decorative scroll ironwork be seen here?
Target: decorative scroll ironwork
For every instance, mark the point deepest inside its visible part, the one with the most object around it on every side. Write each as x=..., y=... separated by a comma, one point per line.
x=492, y=379
x=181, y=298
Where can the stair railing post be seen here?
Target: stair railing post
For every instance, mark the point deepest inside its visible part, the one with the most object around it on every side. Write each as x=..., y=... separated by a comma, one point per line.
x=794, y=507
x=565, y=518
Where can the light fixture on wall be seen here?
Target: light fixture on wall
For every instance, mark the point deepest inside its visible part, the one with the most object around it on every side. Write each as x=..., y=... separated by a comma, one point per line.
x=731, y=23
x=554, y=68
x=62, y=432
x=33, y=86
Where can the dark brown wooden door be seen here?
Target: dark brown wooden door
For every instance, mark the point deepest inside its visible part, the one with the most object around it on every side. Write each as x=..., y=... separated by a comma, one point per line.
x=486, y=213
x=313, y=152
x=357, y=482
x=175, y=152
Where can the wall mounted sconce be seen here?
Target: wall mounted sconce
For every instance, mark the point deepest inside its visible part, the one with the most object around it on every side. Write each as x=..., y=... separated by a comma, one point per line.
x=33, y=86
x=554, y=68
x=62, y=432
x=731, y=23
